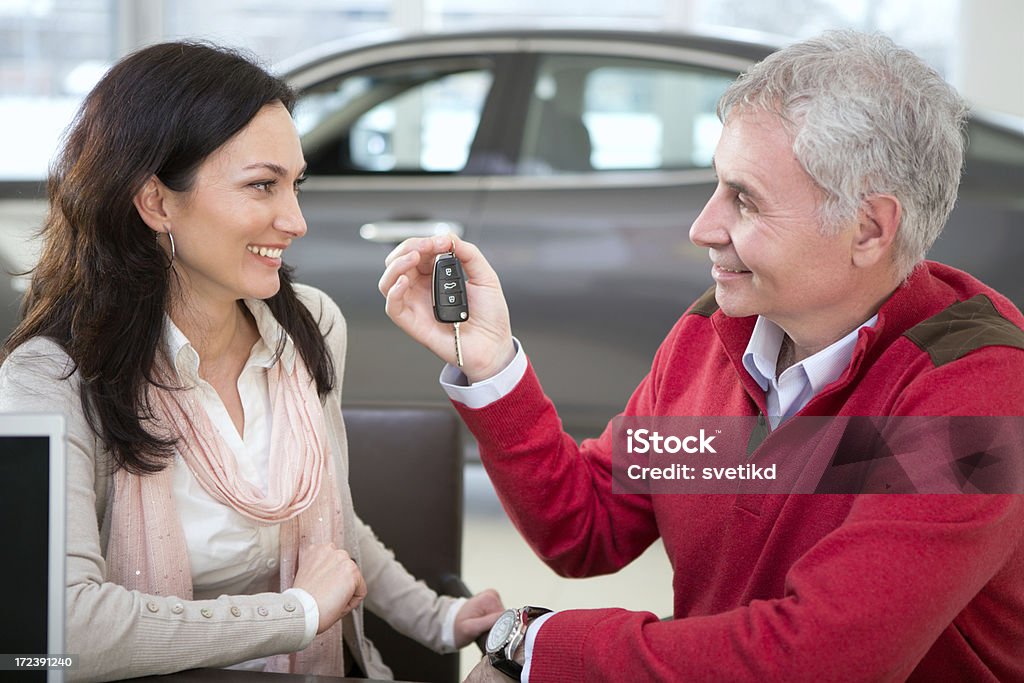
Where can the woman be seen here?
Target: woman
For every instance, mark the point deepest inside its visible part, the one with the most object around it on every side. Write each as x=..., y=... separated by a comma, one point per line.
x=210, y=521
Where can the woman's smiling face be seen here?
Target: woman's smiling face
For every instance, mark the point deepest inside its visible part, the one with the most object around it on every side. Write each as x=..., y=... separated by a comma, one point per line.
x=242, y=212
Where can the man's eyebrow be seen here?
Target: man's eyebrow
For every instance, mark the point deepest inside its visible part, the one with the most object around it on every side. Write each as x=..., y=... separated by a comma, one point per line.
x=276, y=169
x=735, y=185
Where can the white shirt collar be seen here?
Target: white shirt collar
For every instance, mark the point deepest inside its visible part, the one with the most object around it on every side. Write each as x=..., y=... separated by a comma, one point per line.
x=186, y=359
x=820, y=369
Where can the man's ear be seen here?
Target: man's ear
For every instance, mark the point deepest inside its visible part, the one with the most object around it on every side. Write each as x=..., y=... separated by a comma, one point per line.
x=879, y=221
x=152, y=202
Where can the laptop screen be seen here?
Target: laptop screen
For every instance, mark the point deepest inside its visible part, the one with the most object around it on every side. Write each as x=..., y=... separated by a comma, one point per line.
x=32, y=507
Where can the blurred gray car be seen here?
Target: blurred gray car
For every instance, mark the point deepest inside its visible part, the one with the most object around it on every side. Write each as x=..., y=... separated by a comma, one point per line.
x=577, y=161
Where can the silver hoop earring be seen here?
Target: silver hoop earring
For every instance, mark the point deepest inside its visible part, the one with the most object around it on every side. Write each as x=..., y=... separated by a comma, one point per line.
x=167, y=230
x=170, y=237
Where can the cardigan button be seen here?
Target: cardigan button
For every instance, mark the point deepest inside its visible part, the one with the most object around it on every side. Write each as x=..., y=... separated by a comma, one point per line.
x=236, y=612
x=206, y=612
x=289, y=607
x=152, y=607
x=178, y=608
x=262, y=611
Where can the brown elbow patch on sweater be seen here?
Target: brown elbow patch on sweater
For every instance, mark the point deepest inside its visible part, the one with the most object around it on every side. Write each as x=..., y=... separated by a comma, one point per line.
x=705, y=305
x=964, y=327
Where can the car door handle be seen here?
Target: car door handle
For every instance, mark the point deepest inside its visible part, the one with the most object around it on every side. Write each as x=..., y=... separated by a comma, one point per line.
x=393, y=232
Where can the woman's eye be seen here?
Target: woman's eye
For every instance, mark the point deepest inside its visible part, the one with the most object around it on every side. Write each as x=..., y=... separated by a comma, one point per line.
x=298, y=184
x=263, y=185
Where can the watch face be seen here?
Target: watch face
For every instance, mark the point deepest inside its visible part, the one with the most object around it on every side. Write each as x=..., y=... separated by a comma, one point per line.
x=501, y=630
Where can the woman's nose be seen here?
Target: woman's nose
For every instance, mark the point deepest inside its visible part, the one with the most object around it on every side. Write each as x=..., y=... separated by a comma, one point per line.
x=290, y=219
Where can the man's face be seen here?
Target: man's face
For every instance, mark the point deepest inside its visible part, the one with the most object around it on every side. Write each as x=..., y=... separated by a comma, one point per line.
x=762, y=232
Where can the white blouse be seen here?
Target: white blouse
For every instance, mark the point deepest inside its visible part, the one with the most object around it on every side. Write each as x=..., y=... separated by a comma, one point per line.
x=229, y=553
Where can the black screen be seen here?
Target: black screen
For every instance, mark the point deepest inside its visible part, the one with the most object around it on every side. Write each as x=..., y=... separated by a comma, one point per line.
x=25, y=509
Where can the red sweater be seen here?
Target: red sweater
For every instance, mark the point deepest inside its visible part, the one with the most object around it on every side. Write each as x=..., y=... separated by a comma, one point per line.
x=786, y=588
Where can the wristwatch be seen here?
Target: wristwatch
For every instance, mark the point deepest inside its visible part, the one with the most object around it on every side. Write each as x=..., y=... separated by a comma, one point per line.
x=505, y=637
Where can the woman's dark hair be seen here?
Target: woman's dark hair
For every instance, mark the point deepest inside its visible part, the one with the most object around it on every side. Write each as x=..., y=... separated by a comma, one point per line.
x=102, y=284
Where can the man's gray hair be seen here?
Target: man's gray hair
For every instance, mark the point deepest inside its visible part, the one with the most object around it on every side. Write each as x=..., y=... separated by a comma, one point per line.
x=867, y=117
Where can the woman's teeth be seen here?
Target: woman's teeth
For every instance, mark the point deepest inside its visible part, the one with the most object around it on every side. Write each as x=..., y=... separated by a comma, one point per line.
x=264, y=251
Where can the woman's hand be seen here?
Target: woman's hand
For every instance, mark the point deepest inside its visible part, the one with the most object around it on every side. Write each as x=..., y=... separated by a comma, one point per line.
x=487, y=346
x=332, y=578
x=477, y=616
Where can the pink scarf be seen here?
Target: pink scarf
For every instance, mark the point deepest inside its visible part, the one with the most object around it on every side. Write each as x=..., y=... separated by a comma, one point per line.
x=147, y=550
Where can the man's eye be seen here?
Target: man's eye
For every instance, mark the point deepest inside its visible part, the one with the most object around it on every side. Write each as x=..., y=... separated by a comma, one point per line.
x=743, y=204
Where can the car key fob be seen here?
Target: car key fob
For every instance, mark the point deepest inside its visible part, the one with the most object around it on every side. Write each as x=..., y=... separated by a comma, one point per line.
x=450, y=304
x=449, y=296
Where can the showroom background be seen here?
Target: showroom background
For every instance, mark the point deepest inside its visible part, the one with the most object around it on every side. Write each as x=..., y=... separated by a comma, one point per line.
x=53, y=51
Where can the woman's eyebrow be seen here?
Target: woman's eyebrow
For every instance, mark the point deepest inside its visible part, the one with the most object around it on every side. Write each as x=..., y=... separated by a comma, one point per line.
x=277, y=169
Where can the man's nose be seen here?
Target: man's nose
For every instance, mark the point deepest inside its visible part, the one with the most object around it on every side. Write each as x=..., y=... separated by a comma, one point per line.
x=710, y=229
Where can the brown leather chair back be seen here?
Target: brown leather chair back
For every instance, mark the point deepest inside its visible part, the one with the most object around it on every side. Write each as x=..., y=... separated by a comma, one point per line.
x=406, y=480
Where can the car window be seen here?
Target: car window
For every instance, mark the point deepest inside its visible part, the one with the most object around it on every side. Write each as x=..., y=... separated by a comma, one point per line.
x=404, y=118
x=590, y=113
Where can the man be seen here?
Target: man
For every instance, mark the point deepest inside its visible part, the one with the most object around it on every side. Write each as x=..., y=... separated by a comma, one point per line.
x=837, y=167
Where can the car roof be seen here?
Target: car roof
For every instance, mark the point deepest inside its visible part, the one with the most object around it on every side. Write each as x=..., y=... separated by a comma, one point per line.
x=731, y=43
x=744, y=44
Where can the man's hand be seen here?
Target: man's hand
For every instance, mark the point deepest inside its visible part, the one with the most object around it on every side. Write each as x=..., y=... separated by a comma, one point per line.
x=332, y=578
x=487, y=346
x=483, y=672
x=477, y=616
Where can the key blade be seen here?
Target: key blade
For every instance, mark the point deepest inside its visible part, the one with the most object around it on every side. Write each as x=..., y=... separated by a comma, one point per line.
x=458, y=345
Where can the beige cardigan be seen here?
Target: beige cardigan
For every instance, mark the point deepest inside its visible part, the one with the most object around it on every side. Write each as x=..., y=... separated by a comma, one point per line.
x=120, y=633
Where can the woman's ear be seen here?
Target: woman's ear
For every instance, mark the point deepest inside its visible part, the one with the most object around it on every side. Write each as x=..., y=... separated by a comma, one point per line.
x=876, y=231
x=152, y=203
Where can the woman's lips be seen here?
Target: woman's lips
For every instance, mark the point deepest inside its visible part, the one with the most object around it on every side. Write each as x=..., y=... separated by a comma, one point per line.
x=269, y=252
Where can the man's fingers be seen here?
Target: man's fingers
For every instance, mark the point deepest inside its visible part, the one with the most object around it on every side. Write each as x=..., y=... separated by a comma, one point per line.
x=396, y=303
x=403, y=265
x=415, y=257
x=402, y=249
x=478, y=271
x=424, y=246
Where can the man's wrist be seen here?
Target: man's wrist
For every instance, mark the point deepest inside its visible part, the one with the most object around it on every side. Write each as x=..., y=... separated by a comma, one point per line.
x=496, y=367
x=519, y=656
x=482, y=394
x=506, y=643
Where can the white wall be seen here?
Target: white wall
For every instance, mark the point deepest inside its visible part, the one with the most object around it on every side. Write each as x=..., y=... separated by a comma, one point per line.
x=989, y=66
